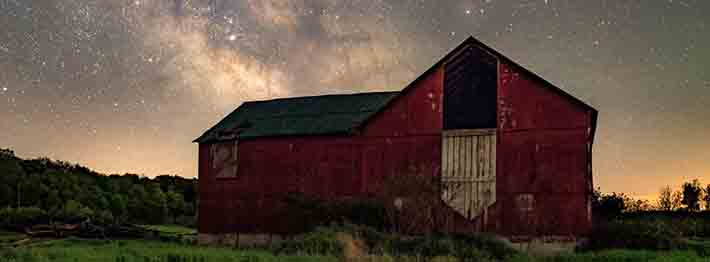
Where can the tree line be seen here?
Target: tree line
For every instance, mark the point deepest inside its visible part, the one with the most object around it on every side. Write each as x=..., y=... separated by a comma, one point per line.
x=55, y=191
x=692, y=196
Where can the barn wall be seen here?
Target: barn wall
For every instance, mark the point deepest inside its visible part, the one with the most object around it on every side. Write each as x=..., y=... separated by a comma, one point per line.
x=203, y=188
x=543, y=184
x=417, y=112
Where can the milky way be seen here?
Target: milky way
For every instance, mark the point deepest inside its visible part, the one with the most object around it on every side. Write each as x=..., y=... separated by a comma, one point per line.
x=124, y=86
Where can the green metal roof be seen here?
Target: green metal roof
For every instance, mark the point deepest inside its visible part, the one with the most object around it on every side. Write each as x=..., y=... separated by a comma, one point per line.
x=313, y=115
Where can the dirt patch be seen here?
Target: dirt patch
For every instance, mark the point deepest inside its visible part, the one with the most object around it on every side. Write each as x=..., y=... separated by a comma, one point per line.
x=353, y=248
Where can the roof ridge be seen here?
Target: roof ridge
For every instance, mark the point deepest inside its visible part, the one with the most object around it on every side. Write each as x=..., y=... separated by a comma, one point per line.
x=323, y=96
x=306, y=115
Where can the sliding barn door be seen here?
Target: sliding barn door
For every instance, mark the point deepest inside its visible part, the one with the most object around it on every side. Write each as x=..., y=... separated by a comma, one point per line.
x=469, y=170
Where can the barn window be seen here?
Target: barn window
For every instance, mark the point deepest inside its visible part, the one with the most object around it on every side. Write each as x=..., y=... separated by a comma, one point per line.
x=525, y=202
x=225, y=159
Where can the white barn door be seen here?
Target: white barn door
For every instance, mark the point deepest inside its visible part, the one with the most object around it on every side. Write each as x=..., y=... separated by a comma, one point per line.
x=469, y=170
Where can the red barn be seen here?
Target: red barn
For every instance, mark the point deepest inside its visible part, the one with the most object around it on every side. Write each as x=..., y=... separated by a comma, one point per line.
x=518, y=148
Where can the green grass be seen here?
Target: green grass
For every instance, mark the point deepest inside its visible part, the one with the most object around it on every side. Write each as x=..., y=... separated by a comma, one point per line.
x=620, y=255
x=7, y=238
x=172, y=229
x=602, y=256
x=72, y=249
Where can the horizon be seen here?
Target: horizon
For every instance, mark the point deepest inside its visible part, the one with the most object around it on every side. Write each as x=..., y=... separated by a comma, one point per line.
x=125, y=87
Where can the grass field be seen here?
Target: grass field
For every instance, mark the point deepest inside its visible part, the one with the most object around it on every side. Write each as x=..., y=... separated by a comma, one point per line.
x=73, y=249
x=172, y=229
x=7, y=238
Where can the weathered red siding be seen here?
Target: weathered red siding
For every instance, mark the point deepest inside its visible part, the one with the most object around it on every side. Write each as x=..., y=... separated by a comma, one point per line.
x=542, y=152
x=417, y=112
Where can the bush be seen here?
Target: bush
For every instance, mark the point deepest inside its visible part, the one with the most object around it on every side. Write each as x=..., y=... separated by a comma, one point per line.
x=465, y=247
x=73, y=212
x=188, y=221
x=22, y=216
x=103, y=217
x=477, y=247
x=318, y=213
x=494, y=247
x=648, y=235
x=322, y=241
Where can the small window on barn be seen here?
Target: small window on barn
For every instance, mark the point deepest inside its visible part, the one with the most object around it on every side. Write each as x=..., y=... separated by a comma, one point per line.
x=525, y=202
x=225, y=159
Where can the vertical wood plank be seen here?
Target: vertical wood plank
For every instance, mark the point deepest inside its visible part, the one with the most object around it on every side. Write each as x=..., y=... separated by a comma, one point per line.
x=444, y=157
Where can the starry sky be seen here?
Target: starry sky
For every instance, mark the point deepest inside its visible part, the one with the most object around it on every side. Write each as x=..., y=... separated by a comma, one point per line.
x=125, y=85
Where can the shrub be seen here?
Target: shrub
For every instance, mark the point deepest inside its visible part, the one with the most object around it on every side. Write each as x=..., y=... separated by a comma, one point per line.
x=188, y=221
x=103, y=217
x=493, y=246
x=318, y=213
x=619, y=234
x=22, y=216
x=322, y=241
x=476, y=247
x=367, y=212
x=464, y=247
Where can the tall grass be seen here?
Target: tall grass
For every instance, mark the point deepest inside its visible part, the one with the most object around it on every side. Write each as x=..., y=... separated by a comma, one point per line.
x=329, y=241
x=70, y=250
x=618, y=255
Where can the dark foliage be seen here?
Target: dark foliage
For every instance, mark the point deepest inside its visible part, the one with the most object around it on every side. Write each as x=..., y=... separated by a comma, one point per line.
x=314, y=212
x=324, y=240
x=321, y=241
x=692, y=194
x=632, y=234
x=57, y=191
x=687, y=224
x=605, y=206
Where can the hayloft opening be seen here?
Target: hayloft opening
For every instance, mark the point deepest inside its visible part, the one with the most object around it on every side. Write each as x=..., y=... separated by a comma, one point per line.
x=470, y=81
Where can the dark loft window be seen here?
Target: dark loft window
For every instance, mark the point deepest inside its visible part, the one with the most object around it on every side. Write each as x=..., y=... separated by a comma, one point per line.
x=470, y=82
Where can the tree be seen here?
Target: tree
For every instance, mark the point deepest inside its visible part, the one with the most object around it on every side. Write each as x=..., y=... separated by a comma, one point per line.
x=6, y=154
x=117, y=205
x=176, y=204
x=636, y=205
x=676, y=200
x=608, y=205
x=665, y=199
x=706, y=197
x=692, y=193
x=66, y=191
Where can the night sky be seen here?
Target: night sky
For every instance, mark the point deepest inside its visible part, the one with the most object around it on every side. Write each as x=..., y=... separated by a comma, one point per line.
x=124, y=86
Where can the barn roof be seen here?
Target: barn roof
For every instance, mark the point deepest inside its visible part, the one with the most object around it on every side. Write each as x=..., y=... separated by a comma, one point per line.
x=312, y=115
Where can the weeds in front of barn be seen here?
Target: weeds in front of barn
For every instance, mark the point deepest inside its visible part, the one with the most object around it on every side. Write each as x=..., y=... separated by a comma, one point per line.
x=339, y=243
x=73, y=249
